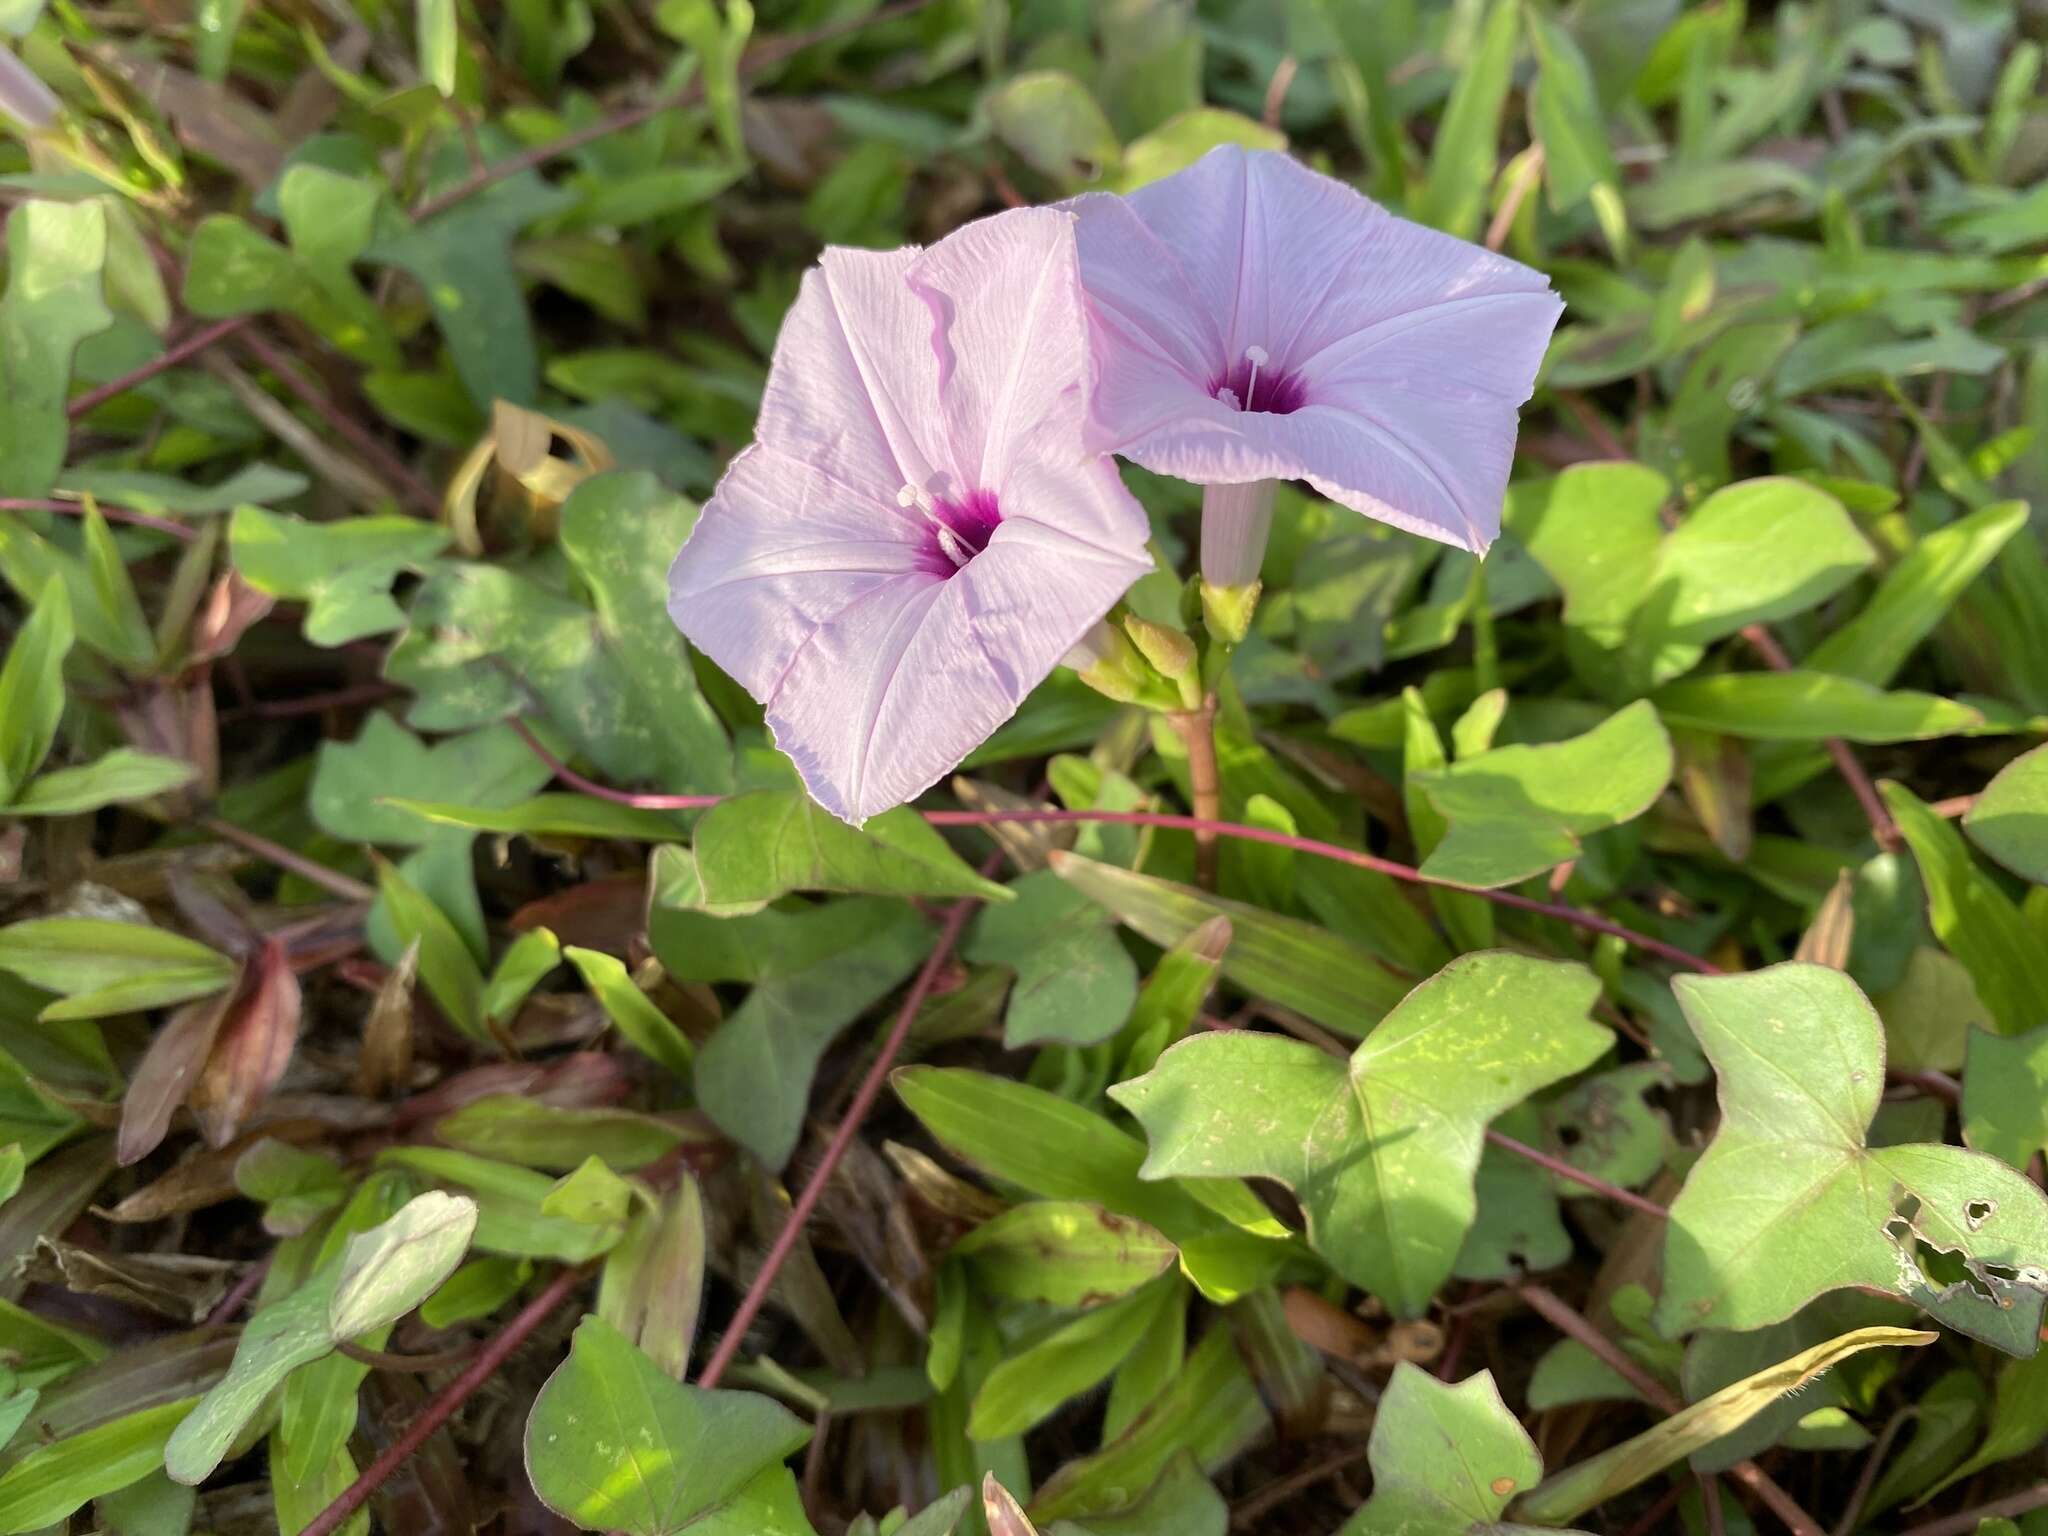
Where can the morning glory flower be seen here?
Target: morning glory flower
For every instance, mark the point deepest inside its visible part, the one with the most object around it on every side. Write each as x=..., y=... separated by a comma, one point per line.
x=919, y=532
x=1257, y=322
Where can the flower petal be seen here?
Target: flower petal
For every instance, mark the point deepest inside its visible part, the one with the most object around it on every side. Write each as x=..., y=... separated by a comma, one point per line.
x=1009, y=336
x=1155, y=340
x=1439, y=472
x=1325, y=267
x=892, y=692
x=852, y=386
x=780, y=549
x=1413, y=350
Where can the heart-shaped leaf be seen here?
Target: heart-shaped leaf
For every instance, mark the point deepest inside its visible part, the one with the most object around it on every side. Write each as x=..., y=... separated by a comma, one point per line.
x=1382, y=1151
x=1798, y=1052
x=1444, y=1458
x=613, y=1444
x=1517, y=811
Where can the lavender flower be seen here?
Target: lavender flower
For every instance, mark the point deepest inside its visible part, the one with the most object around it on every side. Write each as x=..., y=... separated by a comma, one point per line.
x=919, y=532
x=1257, y=322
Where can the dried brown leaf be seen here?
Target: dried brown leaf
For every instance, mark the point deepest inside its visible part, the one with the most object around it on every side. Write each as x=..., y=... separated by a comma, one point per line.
x=208, y=117
x=386, y=1060
x=55, y=1193
x=1833, y=929
x=183, y=1287
x=1714, y=777
x=1006, y=1516
x=1028, y=844
x=214, y=908
x=654, y=1280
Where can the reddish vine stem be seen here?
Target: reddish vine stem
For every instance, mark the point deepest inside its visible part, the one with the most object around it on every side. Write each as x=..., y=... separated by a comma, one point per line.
x=1565, y=1170
x=313, y=703
x=163, y=362
x=2024, y=1502
x=384, y=1360
x=393, y=470
x=1876, y=1461
x=341, y=885
x=814, y=1187
x=1592, y=922
x=1269, y=1498
x=240, y=1292
x=445, y=1402
x=1882, y=827
x=177, y=531
x=1654, y=1517
x=1547, y=1305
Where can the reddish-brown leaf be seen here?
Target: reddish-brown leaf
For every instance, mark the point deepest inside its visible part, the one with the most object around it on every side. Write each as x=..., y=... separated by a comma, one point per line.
x=605, y=915
x=166, y=1075
x=252, y=1048
x=213, y=908
x=584, y=1080
x=177, y=720
x=208, y=1176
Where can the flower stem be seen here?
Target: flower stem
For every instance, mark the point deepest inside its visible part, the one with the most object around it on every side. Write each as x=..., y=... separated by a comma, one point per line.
x=1197, y=731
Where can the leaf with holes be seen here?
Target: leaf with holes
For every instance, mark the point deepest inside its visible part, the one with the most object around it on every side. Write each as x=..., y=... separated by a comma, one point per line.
x=1790, y=1201
x=1381, y=1151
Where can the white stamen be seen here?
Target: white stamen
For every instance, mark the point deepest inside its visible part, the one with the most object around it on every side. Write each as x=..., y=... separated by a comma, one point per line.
x=913, y=496
x=1229, y=397
x=1256, y=356
x=956, y=550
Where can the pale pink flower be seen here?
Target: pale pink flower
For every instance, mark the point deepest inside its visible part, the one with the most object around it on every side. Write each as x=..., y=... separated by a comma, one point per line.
x=919, y=532
x=1256, y=321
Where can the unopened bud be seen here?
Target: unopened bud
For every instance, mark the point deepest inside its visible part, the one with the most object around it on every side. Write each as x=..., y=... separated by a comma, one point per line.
x=1172, y=653
x=1227, y=611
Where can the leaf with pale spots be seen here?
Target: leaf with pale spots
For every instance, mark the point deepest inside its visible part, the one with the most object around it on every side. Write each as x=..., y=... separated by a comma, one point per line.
x=1381, y=1152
